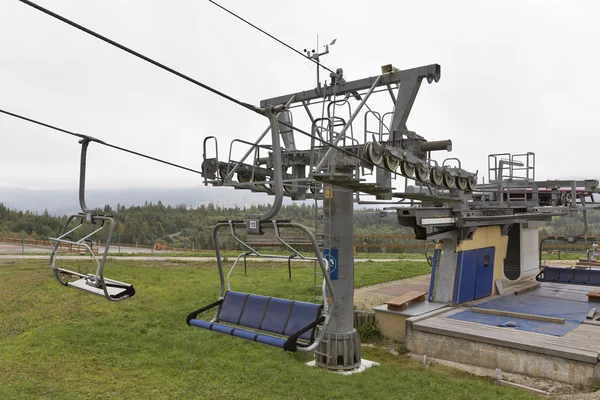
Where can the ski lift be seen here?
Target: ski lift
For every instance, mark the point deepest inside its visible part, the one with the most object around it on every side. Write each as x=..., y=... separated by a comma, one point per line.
x=94, y=283
x=287, y=324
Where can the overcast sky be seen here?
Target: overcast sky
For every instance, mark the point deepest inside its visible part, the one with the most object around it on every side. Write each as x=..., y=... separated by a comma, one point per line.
x=517, y=76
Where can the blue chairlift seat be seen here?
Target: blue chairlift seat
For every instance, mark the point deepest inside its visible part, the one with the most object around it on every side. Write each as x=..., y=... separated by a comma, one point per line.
x=573, y=276
x=282, y=323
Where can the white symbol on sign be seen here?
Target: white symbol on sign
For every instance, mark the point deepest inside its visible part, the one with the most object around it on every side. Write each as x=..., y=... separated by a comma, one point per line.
x=331, y=261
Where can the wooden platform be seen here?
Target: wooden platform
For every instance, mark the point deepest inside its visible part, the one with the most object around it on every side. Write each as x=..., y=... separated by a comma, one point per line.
x=401, y=302
x=581, y=344
x=594, y=296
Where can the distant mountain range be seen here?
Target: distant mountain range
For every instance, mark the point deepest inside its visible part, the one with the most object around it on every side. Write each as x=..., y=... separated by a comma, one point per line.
x=59, y=202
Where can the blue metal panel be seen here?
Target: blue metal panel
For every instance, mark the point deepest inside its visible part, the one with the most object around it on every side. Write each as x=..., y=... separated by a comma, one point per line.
x=466, y=273
x=277, y=315
x=232, y=306
x=302, y=314
x=270, y=340
x=200, y=323
x=244, y=334
x=253, y=311
x=222, y=328
x=331, y=256
x=433, y=268
x=485, y=272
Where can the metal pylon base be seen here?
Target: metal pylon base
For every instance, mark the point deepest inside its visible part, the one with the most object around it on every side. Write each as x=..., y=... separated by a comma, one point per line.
x=339, y=351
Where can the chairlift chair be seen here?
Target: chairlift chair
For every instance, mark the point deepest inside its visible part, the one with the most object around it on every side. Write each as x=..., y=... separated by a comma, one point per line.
x=286, y=324
x=95, y=283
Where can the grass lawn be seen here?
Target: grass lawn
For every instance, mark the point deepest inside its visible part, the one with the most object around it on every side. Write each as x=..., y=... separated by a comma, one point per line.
x=59, y=343
x=235, y=253
x=564, y=256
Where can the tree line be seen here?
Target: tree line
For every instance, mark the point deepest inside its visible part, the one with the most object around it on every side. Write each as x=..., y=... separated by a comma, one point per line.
x=180, y=226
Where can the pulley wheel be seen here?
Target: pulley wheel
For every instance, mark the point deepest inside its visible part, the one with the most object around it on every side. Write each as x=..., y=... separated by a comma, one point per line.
x=366, y=151
x=392, y=163
x=373, y=156
x=244, y=176
x=472, y=183
x=449, y=180
x=437, y=176
x=568, y=199
x=421, y=172
x=223, y=171
x=420, y=232
x=562, y=199
x=407, y=169
x=210, y=167
x=462, y=183
x=258, y=177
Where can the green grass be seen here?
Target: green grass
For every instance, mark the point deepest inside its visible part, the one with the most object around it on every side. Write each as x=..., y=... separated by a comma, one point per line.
x=564, y=256
x=235, y=253
x=59, y=343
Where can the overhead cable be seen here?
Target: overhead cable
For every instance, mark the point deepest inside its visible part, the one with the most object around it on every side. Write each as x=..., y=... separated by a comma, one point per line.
x=271, y=36
x=181, y=75
x=137, y=54
x=93, y=139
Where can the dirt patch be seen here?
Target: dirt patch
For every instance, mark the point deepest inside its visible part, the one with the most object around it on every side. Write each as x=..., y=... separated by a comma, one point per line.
x=367, y=297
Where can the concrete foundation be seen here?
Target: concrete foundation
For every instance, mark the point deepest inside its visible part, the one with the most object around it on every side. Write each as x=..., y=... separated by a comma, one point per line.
x=507, y=359
x=392, y=324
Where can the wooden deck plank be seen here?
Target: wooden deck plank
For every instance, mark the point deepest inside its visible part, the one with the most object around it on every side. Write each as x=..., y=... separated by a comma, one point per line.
x=528, y=288
x=584, y=355
x=573, y=346
x=509, y=337
x=511, y=314
x=591, y=313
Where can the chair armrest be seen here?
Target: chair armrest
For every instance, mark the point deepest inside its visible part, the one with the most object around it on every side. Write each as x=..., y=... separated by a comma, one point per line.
x=291, y=343
x=194, y=314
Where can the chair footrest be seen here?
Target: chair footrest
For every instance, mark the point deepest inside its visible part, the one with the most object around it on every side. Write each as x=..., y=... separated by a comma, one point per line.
x=241, y=333
x=116, y=291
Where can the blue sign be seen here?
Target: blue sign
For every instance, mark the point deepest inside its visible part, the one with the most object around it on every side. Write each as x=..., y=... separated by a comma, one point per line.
x=331, y=256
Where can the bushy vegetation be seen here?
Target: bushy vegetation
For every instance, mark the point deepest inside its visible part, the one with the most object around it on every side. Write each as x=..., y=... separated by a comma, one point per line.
x=182, y=226
x=176, y=225
x=571, y=226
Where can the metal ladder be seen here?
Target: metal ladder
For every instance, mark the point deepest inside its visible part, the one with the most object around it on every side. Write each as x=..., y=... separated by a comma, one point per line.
x=318, y=295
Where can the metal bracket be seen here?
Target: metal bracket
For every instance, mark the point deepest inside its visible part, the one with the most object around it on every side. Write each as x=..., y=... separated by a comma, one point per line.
x=253, y=227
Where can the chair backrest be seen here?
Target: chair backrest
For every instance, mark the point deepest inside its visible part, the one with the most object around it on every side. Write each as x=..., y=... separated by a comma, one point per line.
x=270, y=314
x=570, y=275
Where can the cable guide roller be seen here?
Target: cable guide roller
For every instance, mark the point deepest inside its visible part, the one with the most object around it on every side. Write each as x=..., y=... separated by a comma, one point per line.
x=95, y=283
